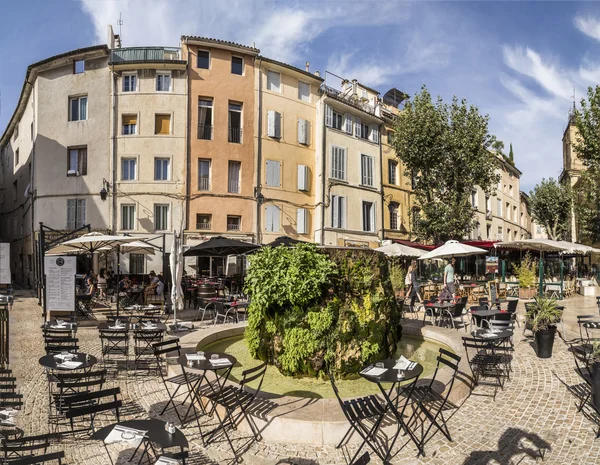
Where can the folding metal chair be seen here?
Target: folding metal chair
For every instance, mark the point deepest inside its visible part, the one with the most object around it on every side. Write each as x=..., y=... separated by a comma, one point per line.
x=37, y=459
x=430, y=402
x=143, y=340
x=56, y=345
x=13, y=449
x=583, y=370
x=72, y=384
x=94, y=405
x=237, y=399
x=485, y=363
x=161, y=350
x=358, y=412
x=454, y=313
x=207, y=306
x=115, y=343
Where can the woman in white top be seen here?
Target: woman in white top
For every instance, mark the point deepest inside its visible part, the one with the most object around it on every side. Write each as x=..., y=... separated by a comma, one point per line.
x=102, y=283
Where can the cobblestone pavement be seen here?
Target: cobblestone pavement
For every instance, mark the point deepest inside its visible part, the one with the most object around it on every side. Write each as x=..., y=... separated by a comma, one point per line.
x=535, y=413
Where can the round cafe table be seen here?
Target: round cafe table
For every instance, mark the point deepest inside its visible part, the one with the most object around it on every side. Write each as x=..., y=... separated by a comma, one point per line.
x=51, y=363
x=492, y=335
x=105, y=325
x=480, y=315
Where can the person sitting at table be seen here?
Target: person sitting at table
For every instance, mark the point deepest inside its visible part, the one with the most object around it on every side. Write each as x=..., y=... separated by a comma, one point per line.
x=160, y=288
x=88, y=275
x=124, y=284
x=91, y=287
x=151, y=288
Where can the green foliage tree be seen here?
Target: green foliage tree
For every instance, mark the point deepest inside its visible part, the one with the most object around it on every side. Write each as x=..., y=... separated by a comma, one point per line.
x=526, y=271
x=446, y=147
x=498, y=146
x=550, y=203
x=586, y=206
x=511, y=156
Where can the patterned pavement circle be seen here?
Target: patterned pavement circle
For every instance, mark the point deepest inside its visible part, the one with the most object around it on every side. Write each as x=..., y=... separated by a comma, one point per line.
x=535, y=413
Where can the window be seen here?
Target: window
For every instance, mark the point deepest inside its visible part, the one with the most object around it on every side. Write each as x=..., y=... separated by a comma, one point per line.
x=333, y=119
x=273, y=81
x=77, y=162
x=272, y=217
x=510, y=190
x=507, y=211
x=203, y=221
x=303, y=131
x=205, y=109
x=128, y=169
x=499, y=207
x=474, y=198
x=394, y=215
x=129, y=125
x=302, y=221
x=390, y=137
x=514, y=214
x=31, y=130
x=488, y=230
x=338, y=119
x=392, y=172
x=75, y=213
x=161, y=169
x=77, y=108
x=16, y=134
x=136, y=263
x=15, y=190
x=233, y=184
x=274, y=124
x=237, y=65
x=522, y=220
x=203, y=174
x=303, y=91
x=203, y=61
x=127, y=217
x=488, y=205
x=129, y=82
x=235, y=123
x=16, y=157
x=338, y=163
x=338, y=211
x=499, y=235
x=303, y=178
x=234, y=223
x=78, y=67
x=361, y=130
x=161, y=217
x=374, y=133
x=273, y=173
x=368, y=218
x=162, y=124
x=163, y=82
x=366, y=170
x=508, y=234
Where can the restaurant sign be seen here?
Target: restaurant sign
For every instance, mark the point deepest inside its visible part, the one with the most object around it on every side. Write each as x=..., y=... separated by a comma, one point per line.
x=60, y=283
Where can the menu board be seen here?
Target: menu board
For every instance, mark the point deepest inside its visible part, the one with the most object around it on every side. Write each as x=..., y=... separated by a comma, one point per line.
x=4, y=263
x=60, y=282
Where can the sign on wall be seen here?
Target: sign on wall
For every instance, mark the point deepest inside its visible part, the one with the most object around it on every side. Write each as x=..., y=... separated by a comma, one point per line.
x=60, y=282
x=5, y=263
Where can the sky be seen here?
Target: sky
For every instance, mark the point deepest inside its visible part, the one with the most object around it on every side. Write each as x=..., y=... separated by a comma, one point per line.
x=519, y=62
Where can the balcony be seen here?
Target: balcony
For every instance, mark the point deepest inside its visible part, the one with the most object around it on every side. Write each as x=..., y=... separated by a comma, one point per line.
x=204, y=184
x=233, y=226
x=145, y=55
x=203, y=226
x=235, y=135
x=352, y=100
x=205, y=132
x=234, y=186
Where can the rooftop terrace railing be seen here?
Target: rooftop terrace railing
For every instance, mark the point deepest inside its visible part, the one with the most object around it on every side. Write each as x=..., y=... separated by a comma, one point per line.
x=141, y=54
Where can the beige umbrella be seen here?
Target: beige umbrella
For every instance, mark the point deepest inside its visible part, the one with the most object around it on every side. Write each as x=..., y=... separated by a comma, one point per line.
x=400, y=250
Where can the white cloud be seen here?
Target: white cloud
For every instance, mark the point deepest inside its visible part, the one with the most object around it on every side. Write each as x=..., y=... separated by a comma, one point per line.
x=589, y=25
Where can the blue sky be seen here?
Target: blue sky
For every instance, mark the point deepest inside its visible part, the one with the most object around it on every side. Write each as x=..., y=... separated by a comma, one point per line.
x=517, y=61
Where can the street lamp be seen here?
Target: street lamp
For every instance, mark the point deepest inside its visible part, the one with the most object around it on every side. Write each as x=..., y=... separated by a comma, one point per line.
x=104, y=190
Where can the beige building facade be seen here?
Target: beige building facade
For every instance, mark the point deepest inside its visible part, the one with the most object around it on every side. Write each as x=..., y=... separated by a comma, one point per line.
x=285, y=150
x=572, y=166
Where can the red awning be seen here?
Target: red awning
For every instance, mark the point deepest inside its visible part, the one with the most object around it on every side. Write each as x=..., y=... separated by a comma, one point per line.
x=415, y=244
x=481, y=244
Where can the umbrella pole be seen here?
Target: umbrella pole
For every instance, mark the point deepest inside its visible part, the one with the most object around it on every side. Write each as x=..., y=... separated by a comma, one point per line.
x=541, y=277
x=174, y=304
x=118, y=275
x=561, y=275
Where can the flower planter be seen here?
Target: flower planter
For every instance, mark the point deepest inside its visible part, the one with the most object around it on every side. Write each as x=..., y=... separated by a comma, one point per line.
x=526, y=293
x=596, y=385
x=544, y=341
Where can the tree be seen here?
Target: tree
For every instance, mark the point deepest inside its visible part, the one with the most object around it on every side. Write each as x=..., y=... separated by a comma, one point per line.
x=586, y=206
x=587, y=122
x=498, y=146
x=511, y=156
x=446, y=148
x=550, y=204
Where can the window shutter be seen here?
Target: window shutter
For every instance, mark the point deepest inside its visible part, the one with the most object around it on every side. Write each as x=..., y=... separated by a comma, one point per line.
x=278, y=125
x=82, y=162
x=302, y=131
x=271, y=123
x=374, y=133
x=307, y=132
x=162, y=124
x=342, y=212
x=372, y=219
x=334, y=211
x=357, y=128
x=71, y=214
x=276, y=173
x=269, y=173
x=348, y=117
x=328, y=116
x=301, y=218
x=276, y=216
x=303, y=178
x=80, y=213
x=129, y=119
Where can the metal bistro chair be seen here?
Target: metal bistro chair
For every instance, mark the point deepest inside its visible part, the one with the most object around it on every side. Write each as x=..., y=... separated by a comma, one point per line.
x=72, y=384
x=143, y=341
x=161, y=351
x=19, y=448
x=358, y=412
x=582, y=323
x=238, y=399
x=97, y=402
x=207, y=306
x=454, y=313
x=56, y=345
x=583, y=370
x=115, y=343
x=430, y=402
x=38, y=459
x=485, y=363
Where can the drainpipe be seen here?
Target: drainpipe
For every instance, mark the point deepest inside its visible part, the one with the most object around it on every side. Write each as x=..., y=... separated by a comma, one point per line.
x=323, y=175
x=188, y=155
x=381, y=184
x=114, y=157
x=259, y=156
x=35, y=263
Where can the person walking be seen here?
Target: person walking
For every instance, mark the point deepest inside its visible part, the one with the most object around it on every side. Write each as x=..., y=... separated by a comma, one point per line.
x=449, y=278
x=413, y=290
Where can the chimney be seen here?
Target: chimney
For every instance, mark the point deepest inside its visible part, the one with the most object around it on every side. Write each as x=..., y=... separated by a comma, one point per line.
x=307, y=66
x=317, y=73
x=354, y=87
x=110, y=40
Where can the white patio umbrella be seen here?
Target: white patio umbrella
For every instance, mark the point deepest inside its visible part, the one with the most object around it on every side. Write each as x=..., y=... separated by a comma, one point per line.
x=541, y=245
x=176, y=262
x=400, y=250
x=453, y=249
x=138, y=247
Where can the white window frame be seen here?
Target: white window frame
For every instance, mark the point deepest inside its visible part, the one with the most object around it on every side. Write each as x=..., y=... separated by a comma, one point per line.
x=304, y=130
x=78, y=98
x=168, y=160
x=129, y=75
x=275, y=211
x=333, y=172
x=372, y=224
x=274, y=124
x=209, y=58
x=301, y=96
x=366, y=178
x=209, y=160
x=302, y=218
x=167, y=216
x=393, y=168
x=135, y=126
x=270, y=82
x=135, y=174
x=163, y=73
x=239, y=217
x=79, y=203
x=338, y=211
x=134, y=219
x=243, y=65
x=348, y=123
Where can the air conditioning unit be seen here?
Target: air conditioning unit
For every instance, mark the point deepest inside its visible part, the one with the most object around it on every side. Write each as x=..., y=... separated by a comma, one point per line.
x=72, y=173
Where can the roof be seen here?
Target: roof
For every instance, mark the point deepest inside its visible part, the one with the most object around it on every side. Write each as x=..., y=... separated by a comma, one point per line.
x=34, y=68
x=375, y=91
x=293, y=68
x=251, y=50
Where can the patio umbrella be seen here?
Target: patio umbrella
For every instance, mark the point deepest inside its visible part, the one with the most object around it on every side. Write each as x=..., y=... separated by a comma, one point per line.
x=453, y=249
x=400, y=250
x=285, y=241
x=176, y=262
x=220, y=246
x=138, y=247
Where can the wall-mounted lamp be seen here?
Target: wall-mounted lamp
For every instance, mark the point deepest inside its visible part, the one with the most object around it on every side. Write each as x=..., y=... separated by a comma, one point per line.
x=105, y=189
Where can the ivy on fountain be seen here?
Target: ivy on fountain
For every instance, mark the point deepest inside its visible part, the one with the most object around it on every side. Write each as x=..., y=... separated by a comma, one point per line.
x=313, y=308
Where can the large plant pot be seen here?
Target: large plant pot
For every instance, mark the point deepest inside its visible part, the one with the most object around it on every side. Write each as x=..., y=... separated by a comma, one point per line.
x=526, y=293
x=544, y=341
x=596, y=384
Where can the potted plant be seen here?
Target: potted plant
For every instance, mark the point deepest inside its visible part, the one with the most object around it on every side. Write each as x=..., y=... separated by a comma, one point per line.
x=526, y=272
x=397, y=275
x=543, y=315
x=595, y=372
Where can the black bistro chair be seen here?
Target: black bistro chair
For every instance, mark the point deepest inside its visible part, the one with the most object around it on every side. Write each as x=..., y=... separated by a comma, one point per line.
x=52, y=457
x=457, y=312
x=485, y=362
